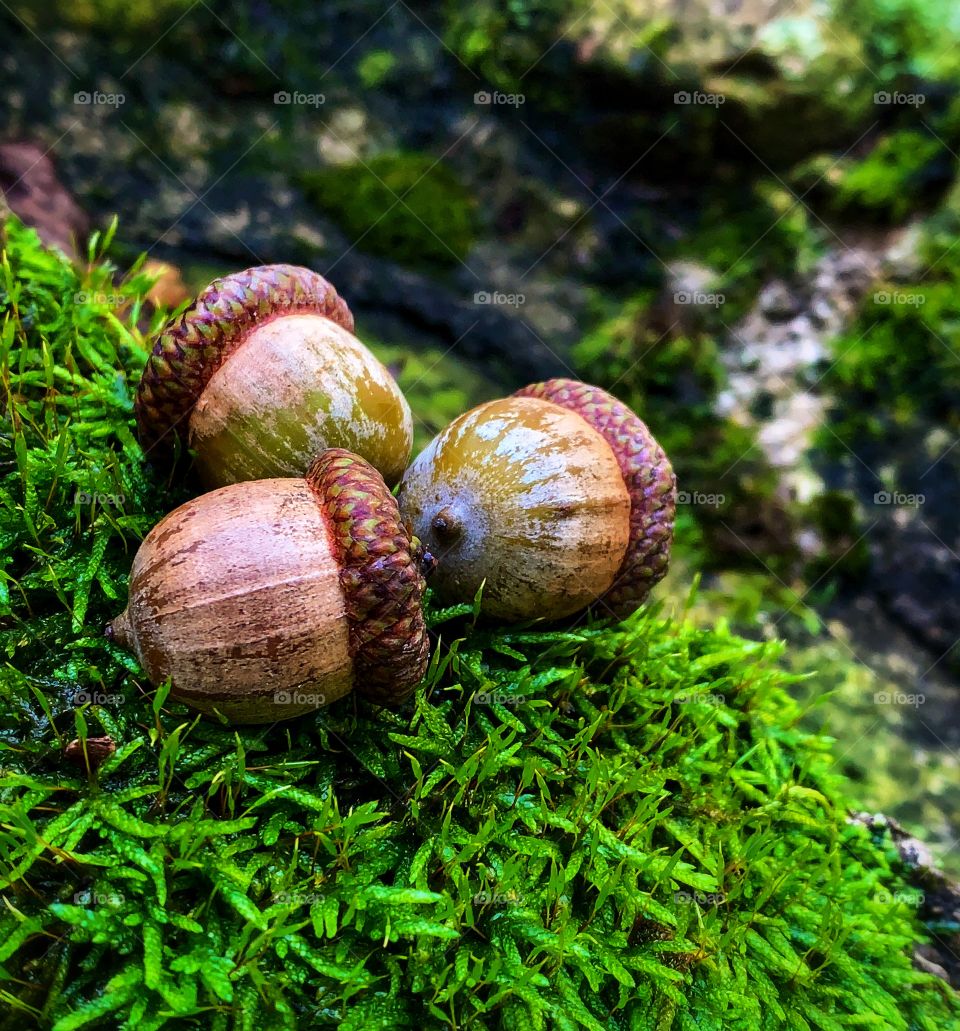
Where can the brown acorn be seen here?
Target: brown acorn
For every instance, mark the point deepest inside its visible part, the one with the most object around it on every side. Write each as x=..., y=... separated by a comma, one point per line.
x=556, y=499
x=261, y=373
x=266, y=599
x=90, y=754
x=526, y=498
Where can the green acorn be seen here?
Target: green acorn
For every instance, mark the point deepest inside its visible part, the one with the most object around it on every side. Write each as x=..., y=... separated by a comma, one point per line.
x=266, y=600
x=261, y=373
x=554, y=499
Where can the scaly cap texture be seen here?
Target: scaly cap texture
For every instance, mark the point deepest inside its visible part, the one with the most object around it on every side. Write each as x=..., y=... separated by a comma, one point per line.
x=379, y=574
x=194, y=344
x=646, y=472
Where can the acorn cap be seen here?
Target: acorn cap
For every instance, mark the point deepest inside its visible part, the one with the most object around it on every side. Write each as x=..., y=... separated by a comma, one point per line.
x=647, y=474
x=379, y=575
x=194, y=344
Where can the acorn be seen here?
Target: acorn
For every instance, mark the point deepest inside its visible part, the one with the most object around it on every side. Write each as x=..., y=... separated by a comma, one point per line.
x=526, y=498
x=555, y=499
x=267, y=599
x=261, y=373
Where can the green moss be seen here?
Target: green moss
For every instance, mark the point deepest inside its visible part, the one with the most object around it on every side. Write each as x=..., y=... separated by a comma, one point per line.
x=905, y=40
x=845, y=553
x=114, y=17
x=607, y=827
x=502, y=42
x=411, y=208
x=374, y=67
x=895, y=178
x=896, y=367
x=896, y=768
x=743, y=235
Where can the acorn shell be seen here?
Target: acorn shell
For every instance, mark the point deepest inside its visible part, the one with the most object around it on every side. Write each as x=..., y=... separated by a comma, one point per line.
x=647, y=474
x=194, y=344
x=265, y=600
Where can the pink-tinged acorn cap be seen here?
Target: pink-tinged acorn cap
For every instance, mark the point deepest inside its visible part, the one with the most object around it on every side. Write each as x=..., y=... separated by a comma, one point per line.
x=379, y=576
x=649, y=479
x=194, y=344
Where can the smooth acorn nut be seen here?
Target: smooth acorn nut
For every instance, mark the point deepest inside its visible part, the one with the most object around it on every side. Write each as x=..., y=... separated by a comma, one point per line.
x=267, y=599
x=261, y=373
x=525, y=497
x=649, y=479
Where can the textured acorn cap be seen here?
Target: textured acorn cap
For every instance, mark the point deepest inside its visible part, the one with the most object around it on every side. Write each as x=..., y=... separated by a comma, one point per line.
x=194, y=344
x=379, y=575
x=647, y=474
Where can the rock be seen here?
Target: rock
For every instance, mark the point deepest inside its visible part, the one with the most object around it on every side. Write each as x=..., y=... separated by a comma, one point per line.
x=785, y=81
x=916, y=574
x=939, y=898
x=35, y=194
x=777, y=302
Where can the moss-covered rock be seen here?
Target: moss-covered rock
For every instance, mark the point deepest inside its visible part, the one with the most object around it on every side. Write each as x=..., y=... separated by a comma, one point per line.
x=900, y=173
x=409, y=207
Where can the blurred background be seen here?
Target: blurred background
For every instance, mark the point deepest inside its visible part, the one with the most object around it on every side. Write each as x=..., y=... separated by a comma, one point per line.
x=740, y=217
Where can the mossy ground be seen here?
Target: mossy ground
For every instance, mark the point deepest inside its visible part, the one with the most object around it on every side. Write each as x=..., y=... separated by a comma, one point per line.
x=596, y=826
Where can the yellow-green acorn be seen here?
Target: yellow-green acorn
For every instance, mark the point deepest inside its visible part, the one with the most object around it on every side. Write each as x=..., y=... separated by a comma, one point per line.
x=261, y=373
x=265, y=600
x=555, y=499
